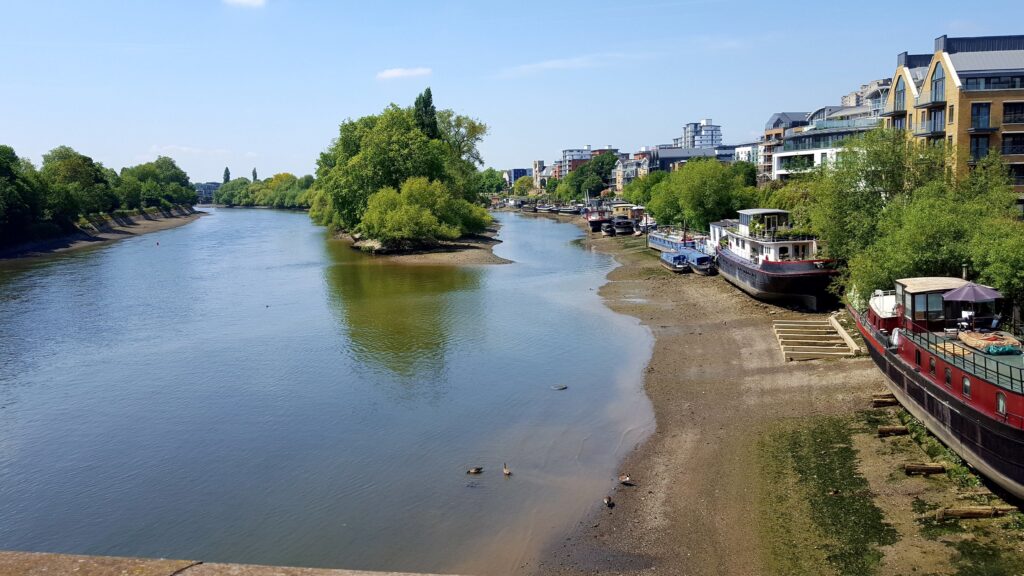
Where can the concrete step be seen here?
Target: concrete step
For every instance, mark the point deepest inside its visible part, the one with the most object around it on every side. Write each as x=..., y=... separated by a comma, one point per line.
x=816, y=355
x=841, y=348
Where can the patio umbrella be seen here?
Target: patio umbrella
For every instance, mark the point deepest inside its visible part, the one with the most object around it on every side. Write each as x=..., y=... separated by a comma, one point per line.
x=971, y=292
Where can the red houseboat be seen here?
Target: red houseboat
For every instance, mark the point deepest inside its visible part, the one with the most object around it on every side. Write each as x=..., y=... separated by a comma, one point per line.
x=953, y=371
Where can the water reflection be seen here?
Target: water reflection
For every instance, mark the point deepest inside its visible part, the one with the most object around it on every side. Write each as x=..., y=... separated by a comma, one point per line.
x=398, y=318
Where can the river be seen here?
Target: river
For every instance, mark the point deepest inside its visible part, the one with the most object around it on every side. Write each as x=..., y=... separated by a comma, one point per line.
x=242, y=389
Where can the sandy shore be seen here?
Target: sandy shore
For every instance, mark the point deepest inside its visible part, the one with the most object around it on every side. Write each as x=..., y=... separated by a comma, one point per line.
x=710, y=495
x=473, y=250
x=115, y=230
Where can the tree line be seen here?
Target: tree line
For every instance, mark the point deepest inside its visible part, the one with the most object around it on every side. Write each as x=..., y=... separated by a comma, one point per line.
x=886, y=208
x=404, y=176
x=38, y=203
x=279, y=191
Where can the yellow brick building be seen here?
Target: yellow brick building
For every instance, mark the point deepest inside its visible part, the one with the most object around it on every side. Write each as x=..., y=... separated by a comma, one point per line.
x=968, y=93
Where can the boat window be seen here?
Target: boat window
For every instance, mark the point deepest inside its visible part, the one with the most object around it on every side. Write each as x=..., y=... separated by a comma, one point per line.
x=949, y=377
x=917, y=357
x=935, y=303
x=1001, y=403
x=907, y=305
x=783, y=252
x=966, y=386
x=931, y=365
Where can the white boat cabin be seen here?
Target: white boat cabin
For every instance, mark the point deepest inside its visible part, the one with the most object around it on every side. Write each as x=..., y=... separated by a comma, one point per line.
x=763, y=235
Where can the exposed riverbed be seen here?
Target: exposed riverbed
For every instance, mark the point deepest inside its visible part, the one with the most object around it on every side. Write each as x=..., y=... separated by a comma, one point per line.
x=243, y=389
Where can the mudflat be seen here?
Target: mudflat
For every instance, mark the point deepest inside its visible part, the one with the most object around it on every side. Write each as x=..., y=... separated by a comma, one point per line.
x=758, y=465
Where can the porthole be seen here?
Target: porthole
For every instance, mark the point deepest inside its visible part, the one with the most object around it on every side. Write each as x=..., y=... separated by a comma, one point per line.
x=1001, y=403
x=966, y=386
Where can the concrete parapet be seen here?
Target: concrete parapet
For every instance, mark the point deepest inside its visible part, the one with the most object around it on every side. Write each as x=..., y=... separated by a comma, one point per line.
x=37, y=564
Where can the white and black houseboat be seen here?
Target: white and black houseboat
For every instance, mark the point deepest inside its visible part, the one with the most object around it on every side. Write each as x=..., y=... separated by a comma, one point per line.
x=765, y=257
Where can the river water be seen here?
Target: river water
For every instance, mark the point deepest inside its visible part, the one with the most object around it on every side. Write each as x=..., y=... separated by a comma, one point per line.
x=242, y=389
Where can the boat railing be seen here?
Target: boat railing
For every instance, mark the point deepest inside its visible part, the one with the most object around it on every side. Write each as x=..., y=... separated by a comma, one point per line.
x=1002, y=374
x=774, y=235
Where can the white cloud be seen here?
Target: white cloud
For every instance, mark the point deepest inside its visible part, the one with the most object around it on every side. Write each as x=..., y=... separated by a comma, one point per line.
x=392, y=73
x=576, y=63
x=246, y=3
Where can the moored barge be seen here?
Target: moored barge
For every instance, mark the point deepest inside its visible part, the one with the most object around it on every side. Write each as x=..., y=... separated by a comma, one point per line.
x=761, y=254
x=971, y=400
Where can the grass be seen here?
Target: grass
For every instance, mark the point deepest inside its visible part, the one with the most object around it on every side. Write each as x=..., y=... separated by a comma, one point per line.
x=976, y=558
x=956, y=470
x=819, y=497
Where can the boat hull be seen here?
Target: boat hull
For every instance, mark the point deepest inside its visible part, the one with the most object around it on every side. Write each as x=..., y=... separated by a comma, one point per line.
x=804, y=284
x=708, y=270
x=991, y=447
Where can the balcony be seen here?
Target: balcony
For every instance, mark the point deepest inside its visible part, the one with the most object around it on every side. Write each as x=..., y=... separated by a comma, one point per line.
x=929, y=101
x=898, y=109
x=1016, y=118
x=981, y=126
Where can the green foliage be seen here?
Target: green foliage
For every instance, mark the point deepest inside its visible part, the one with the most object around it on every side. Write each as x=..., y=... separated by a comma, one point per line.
x=551, y=185
x=699, y=193
x=522, y=185
x=254, y=177
x=746, y=171
x=153, y=184
x=386, y=150
x=426, y=115
x=886, y=224
x=588, y=179
x=37, y=204
x=639, y=190
x=227, y=175
x=280, y=191
x=424, y=212
x=490, y=181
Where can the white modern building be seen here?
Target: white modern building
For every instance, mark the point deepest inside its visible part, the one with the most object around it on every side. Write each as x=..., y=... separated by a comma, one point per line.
x=749, y=152
x=701, y=134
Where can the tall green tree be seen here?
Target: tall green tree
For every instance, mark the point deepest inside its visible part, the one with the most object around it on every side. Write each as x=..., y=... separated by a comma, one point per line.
x=491, y=181
x=522, y=185
x=639, y=190
x=254, y=177
x=77, y=184
x=227, y=175
x=426, y=115
x=699, y=193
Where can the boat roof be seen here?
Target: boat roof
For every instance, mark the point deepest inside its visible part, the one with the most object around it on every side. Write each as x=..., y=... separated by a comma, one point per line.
x=760, y=211
x=930, y=284
x=883, y=304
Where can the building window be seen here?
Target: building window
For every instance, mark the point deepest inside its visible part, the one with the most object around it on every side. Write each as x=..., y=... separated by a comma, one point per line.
x=1013, y=113
x=938, y=84
x=1013, y=144
x=949, y=140
x=979, y=147
x=980, y=115
x=899, y=99
x=949, y=118
x=898, y=123
x=1001, y=403
x=966, y=387
x=949, y=377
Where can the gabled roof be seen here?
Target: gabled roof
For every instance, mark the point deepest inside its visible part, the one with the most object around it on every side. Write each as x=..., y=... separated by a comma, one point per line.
x=787, y=119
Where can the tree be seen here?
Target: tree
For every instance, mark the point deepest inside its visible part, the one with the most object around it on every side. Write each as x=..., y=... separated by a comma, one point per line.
x=871, y=172
x=522, y=185
x=426, y=115
x=699, y=193
x=639, y=190
x=254, y=177
x=746, y=171
x=423, y=212
x=491, y=181
x=551, y=185
x=227, y=175
x=77, y=184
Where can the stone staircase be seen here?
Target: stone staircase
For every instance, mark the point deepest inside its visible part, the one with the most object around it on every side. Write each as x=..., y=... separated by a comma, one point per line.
x=813, y=339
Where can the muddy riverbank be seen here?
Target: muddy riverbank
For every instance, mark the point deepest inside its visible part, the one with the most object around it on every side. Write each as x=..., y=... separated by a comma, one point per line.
x=757, y=465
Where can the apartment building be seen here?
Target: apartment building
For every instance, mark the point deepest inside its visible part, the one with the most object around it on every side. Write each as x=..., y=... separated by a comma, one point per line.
x=968, y=93
x=701, y=134
x=627, y=170
x=774, y=132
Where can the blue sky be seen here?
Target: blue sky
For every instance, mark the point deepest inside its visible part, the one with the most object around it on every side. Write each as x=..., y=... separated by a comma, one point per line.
x=264, y=83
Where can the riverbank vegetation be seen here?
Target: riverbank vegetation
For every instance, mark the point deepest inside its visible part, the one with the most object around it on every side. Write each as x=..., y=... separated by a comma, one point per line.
x=886, y=208
x=49, y=201
x=280, y=191
x=362, y=177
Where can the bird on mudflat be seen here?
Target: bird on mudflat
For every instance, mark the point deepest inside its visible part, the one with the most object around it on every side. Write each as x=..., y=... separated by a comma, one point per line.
x=506, y=470
x=608, y=502
x=625, y=480
x=475, y=470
